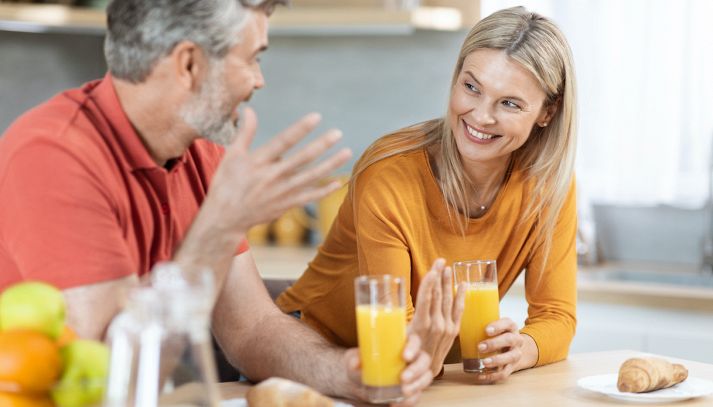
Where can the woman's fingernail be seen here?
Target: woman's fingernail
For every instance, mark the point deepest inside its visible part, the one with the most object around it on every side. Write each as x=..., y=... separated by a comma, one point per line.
x=483, y=377
x=488, y=361
x=482, y=346
x=408, y=375
x=490, y=330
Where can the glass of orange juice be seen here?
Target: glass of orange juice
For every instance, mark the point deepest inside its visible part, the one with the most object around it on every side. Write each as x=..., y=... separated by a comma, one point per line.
x=381, y=328
x=482, y=306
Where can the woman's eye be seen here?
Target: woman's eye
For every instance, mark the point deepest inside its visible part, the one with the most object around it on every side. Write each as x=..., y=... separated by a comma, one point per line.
x=510, y=104
x=471, y=87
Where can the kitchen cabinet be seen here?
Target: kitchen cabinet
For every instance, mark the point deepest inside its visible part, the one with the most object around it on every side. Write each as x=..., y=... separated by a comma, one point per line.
x=312, y=17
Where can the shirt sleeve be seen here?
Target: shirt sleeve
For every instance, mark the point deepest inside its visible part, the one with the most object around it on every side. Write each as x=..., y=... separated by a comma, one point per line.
x=57, y=219
x=381, y=245
x=551, y=291
x=242, y=247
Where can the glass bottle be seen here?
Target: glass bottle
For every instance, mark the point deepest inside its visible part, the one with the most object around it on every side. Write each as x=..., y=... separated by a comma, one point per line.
x=162, y=340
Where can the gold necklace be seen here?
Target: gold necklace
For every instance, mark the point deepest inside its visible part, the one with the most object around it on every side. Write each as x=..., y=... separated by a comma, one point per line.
x=484, y=204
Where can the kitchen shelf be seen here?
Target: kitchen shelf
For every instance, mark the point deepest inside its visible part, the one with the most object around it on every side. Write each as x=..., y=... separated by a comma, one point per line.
x=286, y=21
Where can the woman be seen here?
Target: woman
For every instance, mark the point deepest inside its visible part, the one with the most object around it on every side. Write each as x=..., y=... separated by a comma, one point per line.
x=493, y=179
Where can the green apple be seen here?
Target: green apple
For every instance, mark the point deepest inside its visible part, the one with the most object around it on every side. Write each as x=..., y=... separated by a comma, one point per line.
x=33, y=305
x=86, y=366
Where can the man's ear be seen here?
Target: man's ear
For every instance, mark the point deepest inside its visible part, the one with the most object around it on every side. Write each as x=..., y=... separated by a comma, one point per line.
x=189, y=64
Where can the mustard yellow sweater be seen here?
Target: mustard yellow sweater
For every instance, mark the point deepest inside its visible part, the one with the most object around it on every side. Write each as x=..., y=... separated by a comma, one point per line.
x=397, y=223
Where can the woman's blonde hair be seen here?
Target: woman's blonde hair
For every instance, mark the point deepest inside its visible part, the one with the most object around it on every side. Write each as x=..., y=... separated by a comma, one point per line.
x=546, y=158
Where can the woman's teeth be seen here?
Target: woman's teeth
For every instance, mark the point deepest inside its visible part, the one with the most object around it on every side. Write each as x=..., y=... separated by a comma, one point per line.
x=478, y=135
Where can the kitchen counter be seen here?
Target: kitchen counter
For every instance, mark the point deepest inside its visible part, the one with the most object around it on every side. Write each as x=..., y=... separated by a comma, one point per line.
x=552, y=385
x=289, y=263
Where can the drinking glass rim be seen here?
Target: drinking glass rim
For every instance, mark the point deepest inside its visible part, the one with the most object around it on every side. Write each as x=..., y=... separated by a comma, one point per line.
x=463, y=262
x=378, y=277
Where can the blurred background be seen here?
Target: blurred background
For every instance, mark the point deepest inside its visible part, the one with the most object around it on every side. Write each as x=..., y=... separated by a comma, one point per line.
x=372, y=66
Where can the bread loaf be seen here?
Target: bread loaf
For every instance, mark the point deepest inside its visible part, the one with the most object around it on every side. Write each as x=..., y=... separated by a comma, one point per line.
x=277, y=392
x=639, y=375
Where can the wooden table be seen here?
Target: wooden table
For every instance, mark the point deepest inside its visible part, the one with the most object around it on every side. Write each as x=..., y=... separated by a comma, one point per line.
x=551, y=386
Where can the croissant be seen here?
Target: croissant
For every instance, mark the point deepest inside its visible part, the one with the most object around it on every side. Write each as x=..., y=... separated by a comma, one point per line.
x=639, y=375
x=277, y=392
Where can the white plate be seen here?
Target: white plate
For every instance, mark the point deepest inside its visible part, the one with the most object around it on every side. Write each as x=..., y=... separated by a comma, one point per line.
x=243, y=403
x=688, y=389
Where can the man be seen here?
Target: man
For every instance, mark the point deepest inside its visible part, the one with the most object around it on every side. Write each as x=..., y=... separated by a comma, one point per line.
x=100, y=183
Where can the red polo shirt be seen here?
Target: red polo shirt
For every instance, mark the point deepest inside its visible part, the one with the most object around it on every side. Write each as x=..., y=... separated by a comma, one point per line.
x=81, y=200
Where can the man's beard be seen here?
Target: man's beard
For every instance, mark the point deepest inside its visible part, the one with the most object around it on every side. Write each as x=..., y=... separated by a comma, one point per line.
x=209, y=113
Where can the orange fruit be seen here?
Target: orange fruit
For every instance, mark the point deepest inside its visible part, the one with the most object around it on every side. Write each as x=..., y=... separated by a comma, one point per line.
x=30, y=360
x=68, y=335
x=24, y=400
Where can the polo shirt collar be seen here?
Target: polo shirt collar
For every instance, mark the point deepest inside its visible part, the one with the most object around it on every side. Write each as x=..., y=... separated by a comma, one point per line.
x=136, y=155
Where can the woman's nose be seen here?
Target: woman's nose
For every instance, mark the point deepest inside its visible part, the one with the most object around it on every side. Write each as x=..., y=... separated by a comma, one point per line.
x=483, y=115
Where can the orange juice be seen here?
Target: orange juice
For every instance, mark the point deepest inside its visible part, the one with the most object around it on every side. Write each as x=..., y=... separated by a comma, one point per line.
x=382, y=336
x=481, y=308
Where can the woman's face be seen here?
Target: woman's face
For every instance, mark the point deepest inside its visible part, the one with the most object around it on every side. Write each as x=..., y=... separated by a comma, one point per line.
x=494, y=105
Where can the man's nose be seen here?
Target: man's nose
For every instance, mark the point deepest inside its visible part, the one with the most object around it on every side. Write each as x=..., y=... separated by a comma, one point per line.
x=259, y=79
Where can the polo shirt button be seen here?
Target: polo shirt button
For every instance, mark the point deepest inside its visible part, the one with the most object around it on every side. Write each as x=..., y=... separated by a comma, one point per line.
x=164, y=207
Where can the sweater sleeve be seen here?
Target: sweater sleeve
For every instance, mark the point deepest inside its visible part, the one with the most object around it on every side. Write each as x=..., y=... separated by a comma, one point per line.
x=379, y=216
x=551, y=290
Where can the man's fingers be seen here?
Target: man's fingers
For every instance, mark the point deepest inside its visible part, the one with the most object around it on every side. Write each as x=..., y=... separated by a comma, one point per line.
x=311, y=194
x=311, y=151
x=419, y=382
x=309, y=176
x=407, y=402
x=353, y=364
x=415, y=370
x=413, y=345
x=246, y=130
x=289, y=137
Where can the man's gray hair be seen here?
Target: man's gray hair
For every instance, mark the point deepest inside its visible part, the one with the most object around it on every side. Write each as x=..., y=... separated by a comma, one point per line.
x=140, y=32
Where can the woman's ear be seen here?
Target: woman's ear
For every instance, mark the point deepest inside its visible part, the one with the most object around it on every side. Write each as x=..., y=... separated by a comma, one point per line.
x=189, y=64
x=548, y=112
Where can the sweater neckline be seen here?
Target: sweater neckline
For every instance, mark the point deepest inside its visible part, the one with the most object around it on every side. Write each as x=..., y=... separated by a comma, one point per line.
x=442, y=206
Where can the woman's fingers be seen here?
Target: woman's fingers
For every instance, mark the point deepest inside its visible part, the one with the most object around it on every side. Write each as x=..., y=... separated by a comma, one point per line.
x=501, y=326
x=505, y=346
x=459, y=305
x=500, y=343
x=494, y=377
x=447, y=292
x=424, y=299
x=509, y=357
x=437, y=267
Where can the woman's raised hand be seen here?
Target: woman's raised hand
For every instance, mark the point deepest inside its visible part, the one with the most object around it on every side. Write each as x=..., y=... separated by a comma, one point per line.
x=437, y=313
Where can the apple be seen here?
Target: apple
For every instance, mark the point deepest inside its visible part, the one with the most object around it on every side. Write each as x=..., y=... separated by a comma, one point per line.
x=86, y=366
x=33, y=305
